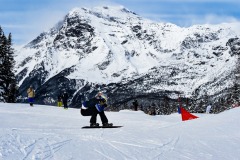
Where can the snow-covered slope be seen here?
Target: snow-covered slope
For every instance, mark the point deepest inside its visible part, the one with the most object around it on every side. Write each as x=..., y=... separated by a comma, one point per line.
x=46, y=132
x=106, y=45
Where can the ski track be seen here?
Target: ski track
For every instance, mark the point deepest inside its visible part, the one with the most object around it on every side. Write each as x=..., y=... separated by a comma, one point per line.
x=133, y=150
x=166, y=147
x=103, y=155
x=124, y=155
x=29, y=149
x=153, y=152
x=48, y=150
x=142, y=137
x=42, y=148
x=103, y=141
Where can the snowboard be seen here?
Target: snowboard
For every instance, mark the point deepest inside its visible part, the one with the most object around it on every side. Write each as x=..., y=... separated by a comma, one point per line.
x=88, y=127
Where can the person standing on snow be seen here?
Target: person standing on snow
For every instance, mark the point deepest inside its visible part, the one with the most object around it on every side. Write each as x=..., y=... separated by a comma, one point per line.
x=59, y=100
x=208, y=109
x=31, y=95
x=135, y=105
x=65, y=99
x=96, y=106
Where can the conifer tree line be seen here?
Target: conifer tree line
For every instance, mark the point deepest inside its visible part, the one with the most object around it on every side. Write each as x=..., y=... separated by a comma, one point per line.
x=8, y=87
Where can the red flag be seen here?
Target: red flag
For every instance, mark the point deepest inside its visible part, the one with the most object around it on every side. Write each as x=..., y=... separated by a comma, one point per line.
x=186, y=115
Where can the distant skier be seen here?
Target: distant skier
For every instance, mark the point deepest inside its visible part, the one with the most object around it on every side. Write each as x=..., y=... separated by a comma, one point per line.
x=153, y=109
x=59, y=100
x=135, y=105
x=208, y=109
x=96, y=106
x=31, y=95
x=65, y=99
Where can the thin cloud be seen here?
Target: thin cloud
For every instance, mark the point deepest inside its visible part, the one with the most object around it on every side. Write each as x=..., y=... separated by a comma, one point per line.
x=28, y=24
x=12, y=26
x=186, y=20
x=214, y=19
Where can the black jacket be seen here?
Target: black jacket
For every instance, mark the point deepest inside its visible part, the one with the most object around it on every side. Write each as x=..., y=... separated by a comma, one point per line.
x=92, y=102
x=65, y=97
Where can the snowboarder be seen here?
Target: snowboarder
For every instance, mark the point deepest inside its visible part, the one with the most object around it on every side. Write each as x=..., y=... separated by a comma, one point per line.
x=208, y=109
x=59, y=100
x=31, y=95
x=65, y=99
x=96, y=106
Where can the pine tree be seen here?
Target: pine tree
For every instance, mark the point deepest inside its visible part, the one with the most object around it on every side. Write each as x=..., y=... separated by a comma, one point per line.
x=1, y=64
x=7, y=77
x=236, y=87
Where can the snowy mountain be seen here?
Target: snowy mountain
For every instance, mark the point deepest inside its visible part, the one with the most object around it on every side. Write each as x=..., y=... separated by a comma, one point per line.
x=46, y=132
x=128, y=57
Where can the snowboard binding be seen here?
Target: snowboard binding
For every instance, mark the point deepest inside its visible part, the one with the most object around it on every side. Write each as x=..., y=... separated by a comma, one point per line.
x=107, y=125
x=94, y=125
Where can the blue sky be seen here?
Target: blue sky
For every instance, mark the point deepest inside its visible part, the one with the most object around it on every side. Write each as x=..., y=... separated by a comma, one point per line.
x=26, y=19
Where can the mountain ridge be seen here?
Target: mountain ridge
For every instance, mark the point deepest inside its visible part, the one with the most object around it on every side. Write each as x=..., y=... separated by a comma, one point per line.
x=101, y=46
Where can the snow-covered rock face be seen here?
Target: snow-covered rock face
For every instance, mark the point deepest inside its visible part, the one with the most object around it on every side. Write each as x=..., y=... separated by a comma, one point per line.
x=116, y=47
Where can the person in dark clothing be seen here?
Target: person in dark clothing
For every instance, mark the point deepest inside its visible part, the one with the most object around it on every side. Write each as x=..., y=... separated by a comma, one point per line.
x=152, y=109
x=135, y=105
x=65, y=99
x=93, y=107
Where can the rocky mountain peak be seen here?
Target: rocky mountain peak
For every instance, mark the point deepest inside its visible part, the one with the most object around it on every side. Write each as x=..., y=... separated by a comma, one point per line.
x=116, y=48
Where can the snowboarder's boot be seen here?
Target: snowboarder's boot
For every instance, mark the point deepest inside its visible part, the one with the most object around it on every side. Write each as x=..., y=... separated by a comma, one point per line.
x=94, y=125
x=107, y=124
x=31, y=104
